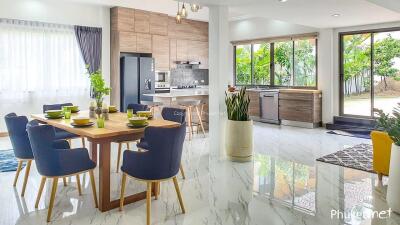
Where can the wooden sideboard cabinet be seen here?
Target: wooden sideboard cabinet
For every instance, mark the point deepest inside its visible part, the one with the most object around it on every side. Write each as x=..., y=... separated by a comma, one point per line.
x=300, y=106
x=254, y=106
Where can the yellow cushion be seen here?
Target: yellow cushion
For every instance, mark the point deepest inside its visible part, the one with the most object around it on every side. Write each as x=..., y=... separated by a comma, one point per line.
x=382, y=145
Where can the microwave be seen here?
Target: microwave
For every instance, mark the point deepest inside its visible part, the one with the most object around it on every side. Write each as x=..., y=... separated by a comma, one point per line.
x=162, y=76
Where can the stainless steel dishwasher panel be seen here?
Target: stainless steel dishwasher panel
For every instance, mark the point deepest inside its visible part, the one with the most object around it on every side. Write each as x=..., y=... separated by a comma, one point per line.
x=269, y=102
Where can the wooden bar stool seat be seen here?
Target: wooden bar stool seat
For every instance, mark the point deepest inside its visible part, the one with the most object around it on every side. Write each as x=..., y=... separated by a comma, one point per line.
x=189, y=105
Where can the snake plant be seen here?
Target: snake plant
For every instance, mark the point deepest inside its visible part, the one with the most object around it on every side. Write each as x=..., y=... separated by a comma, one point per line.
x=390, y=123
x=237, y=105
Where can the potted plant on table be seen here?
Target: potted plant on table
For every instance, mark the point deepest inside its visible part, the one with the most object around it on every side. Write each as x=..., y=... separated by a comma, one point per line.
x=239, y=127
x=391, y=124
x=99, y=88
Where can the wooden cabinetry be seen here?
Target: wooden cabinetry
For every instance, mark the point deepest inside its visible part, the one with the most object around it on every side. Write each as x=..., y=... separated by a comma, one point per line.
x=172, y=53
x=161, y=52
x=300, y=106
x=254, y=106
x=182, y=50
x=198, y=51
x=142, y=21
x=159, y=23
x=127, y=42
x=143, y=43
x=122, y=19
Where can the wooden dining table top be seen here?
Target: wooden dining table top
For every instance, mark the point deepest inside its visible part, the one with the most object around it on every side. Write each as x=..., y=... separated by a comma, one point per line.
x=115, y=126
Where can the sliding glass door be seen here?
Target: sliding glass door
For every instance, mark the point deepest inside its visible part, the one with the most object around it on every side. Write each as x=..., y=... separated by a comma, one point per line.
x=369, y=72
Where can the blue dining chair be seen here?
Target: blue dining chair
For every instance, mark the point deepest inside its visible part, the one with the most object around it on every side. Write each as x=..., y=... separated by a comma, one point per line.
x=171, y=114
x=60, y=133
x=135, y=108
x=159, y=163
x=55, y=159
x=16, y=127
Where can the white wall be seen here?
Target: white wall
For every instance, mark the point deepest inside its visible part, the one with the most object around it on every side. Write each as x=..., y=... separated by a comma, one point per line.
x=61, y=12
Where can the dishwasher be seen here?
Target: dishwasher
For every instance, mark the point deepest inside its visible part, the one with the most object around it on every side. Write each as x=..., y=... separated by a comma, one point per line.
x=269, y=106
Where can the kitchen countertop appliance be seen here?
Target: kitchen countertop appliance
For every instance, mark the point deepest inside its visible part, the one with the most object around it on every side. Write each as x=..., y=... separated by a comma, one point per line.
x=269, y=106
x=162, y=81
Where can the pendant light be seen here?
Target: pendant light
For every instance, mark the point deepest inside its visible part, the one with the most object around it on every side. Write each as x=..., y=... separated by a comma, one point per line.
x=194, y=7
x=184, y=12
x=178, y=17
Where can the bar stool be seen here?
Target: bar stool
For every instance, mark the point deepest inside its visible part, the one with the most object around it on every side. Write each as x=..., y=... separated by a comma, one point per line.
x=152, y=106
x=189, y=105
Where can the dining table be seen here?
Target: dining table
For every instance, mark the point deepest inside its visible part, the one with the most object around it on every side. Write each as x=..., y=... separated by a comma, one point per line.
x=100, y=141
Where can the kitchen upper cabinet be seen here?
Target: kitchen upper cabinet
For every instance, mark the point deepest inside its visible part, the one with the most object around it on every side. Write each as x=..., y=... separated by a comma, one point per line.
x=143, y=43
x=182, y=49
x=172, y=53
x=127, y=42
x=122, y=19
x=198, y=51
x=161, y=52
x=142, y=21
x=188, y=30
x=158, y=23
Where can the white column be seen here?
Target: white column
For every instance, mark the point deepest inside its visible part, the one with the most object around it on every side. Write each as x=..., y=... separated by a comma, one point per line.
x=220, y=75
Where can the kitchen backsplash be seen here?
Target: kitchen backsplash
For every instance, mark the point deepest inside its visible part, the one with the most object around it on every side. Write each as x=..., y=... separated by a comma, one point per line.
x=185, y=75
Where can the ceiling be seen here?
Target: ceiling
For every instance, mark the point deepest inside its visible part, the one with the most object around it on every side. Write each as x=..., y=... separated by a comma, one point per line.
x=312, y=13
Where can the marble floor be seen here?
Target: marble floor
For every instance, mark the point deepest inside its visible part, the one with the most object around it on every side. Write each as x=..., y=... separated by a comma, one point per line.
x=283, y=185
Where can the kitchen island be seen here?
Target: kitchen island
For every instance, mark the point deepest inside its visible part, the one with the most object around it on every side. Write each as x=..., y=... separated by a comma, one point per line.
x=171, y=99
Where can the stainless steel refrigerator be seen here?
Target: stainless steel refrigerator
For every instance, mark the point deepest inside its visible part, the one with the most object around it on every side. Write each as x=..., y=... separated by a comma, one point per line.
x=137, y=78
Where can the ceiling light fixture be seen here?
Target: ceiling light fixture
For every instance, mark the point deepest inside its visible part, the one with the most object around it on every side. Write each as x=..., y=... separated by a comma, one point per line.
x=194, y=7
x=283, y=0
x=336, y=15
x=178, y=17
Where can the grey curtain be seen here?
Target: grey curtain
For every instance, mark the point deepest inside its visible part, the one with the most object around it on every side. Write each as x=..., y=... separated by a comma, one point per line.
x=89, y=41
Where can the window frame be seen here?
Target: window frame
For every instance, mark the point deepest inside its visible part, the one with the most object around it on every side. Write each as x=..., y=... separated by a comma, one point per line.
x=272, y=67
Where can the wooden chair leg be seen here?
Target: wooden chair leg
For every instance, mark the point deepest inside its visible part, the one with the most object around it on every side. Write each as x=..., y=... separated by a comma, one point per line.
x=39, y=195
x=78, y=183
x=178, y=192
x=28, y=168
x=189, y=111
x=200, y=121
x=52, y=197
x=119, y=156
x=127, y=145
x=17, y=172
x=93, y=184
x=182, y=171
x=148, y=202
x=156, y=189
x=64, y=181
x=121, y=197
x=83, y=142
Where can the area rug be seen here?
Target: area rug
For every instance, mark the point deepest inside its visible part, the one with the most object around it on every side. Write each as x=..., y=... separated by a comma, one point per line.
x=348, y=134
x=358, y=157
x=8, y=162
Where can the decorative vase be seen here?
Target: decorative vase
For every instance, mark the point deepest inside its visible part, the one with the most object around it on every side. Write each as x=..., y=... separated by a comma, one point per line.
x=99, y=109
x=239, y=140
x=393, y=190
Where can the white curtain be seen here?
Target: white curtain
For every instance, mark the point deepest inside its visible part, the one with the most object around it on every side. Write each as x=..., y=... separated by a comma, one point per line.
x=40, y=63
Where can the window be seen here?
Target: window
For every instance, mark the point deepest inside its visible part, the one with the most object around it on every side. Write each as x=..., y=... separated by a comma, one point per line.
x=262, y=61
x=283, y=63
x=369, y=71
x=40, y=63
x=283, y=59
x=243, y=64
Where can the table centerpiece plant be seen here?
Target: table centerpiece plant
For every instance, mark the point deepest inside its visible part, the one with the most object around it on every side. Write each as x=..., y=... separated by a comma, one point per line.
x=390, y=123
x=239, y=127
x=99, y=89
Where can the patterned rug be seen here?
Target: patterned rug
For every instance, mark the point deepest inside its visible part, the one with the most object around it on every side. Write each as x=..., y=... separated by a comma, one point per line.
x=7, y=161
x=358, y=157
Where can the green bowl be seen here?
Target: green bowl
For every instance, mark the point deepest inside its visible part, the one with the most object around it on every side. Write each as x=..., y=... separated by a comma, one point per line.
x=72, y=108
x=54, y=113
x=143, y=113
x=138, y=121
x=81, y=120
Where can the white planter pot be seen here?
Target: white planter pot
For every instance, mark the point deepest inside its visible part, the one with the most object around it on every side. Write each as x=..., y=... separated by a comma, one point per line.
x=239, y=140
x=393, y=190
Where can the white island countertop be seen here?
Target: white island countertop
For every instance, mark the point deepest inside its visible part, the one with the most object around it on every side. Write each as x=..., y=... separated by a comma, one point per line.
x=175, y=93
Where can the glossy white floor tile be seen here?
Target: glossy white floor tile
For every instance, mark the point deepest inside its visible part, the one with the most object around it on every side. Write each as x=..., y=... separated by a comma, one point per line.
x=283, y=185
